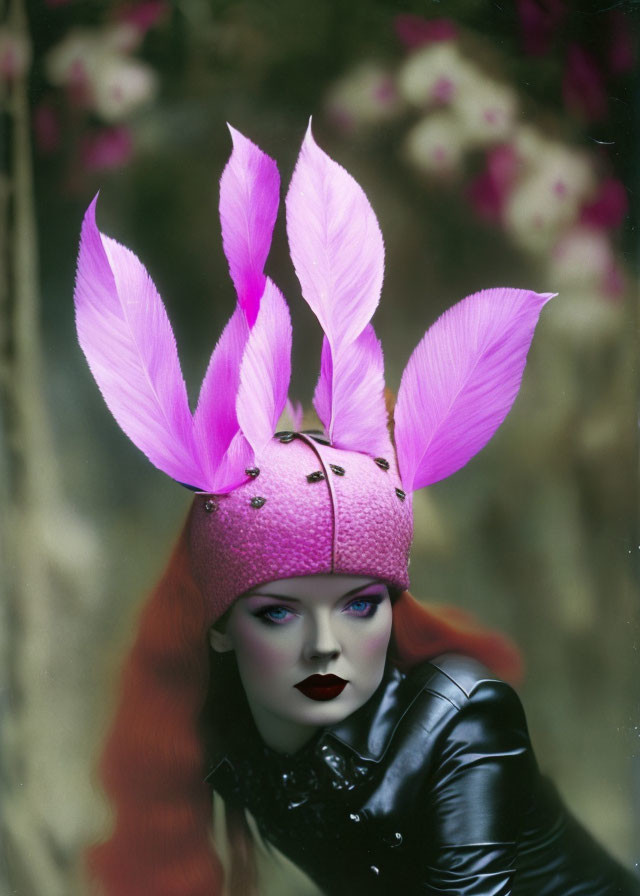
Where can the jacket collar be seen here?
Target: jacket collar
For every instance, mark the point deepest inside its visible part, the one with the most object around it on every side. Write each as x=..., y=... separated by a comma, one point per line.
x=365, y=734
x=369, y=731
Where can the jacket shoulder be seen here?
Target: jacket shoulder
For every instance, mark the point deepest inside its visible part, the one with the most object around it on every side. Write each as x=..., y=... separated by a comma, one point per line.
x=457, y=675
x=430, y=698
x=452, y=688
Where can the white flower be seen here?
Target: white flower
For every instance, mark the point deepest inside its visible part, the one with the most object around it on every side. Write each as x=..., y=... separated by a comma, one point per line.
x=434, y=144
x=94, y=64
x=367, y=95
x=486, y=110
x=566, y=172
x=583, y=316
x=121, y=85
x=434, y=75
x=74, y=58
x=583, y=256
x=546, y=200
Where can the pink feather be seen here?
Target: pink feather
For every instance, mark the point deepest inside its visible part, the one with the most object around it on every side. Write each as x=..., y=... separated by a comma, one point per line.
x=336, y=245
x=249, y=198
x=215, y=421
x=127, y=339
x=231, y=471
x=461, y=381
x=338, y=254
x=349, y=397
x=324, y=387
x=265, y=371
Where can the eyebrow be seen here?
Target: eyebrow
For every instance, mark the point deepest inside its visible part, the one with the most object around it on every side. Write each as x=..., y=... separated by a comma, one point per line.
x=297, y=600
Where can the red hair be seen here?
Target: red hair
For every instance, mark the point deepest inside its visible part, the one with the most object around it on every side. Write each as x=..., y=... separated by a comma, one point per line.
x=152, y=767
x=423, y=631
x=154, y=760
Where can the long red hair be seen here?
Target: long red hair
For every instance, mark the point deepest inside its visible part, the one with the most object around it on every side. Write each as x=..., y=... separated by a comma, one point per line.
x=153, y=765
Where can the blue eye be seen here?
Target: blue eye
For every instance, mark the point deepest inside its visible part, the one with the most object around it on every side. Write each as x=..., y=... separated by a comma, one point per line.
x=361, y=608
x=274, y=615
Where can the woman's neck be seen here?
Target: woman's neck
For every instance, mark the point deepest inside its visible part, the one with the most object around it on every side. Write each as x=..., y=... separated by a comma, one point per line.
x=282, y=735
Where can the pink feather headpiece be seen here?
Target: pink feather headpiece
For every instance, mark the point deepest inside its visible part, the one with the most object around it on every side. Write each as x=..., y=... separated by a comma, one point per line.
x=268, y=508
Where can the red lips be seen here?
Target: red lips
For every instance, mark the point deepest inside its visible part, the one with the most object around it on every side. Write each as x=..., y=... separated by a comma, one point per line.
x=321, y=687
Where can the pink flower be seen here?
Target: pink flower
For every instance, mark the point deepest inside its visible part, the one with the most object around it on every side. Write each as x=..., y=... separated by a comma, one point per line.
x=414, y=31
x=487, y=193
x=107, y=148
x=443, y=91
x=583, y=85
x=46, y=128
x=607, y=209
x=539, y=21
x=145, y=14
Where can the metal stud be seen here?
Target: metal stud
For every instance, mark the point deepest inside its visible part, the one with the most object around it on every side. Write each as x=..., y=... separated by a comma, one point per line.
x=316, y=476
x=285, y=436
x=393, y=840
x=402, y=495
x=252, y=471
x=382, y=463
x=338, y=470
x=210, y=506
x=317, y=435
x=258, y=502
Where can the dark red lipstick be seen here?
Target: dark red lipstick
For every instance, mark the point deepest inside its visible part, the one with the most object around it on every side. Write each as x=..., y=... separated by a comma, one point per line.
x=321, y=687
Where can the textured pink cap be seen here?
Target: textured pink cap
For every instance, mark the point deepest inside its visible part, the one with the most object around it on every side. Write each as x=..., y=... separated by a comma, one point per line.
x=310, y=509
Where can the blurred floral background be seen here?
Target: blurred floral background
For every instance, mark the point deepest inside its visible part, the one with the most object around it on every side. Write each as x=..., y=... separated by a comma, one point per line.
x=497, y=144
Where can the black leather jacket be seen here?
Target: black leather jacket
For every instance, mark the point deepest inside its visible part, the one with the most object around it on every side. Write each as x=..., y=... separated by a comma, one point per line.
x=430, y=788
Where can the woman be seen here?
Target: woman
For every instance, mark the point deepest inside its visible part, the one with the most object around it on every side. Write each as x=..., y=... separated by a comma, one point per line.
x=359, y=728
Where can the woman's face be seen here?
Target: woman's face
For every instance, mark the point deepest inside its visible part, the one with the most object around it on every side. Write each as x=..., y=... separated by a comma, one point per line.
x=310, y=651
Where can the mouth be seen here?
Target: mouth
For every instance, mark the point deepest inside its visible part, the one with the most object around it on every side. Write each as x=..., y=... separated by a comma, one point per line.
x=322, y=687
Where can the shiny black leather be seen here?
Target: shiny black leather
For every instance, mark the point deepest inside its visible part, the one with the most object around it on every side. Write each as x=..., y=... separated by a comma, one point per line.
x=430, y=788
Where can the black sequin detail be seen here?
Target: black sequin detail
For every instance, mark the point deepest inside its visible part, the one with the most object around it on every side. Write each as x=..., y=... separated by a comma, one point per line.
x=252, y=471
x=258, y=502
x=316, y=476
x=382, y=463
x=210, y=506
x=402, y=495
x=292, y=795
x=285, y=436
x=337, y=469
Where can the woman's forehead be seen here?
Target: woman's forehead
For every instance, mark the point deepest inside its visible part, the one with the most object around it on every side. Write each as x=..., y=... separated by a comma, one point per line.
x=314, y=587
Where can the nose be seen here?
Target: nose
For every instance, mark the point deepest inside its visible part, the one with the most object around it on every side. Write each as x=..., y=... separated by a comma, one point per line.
x=321, y=642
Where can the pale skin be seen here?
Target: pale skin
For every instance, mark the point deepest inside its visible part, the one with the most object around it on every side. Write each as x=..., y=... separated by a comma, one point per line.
x=289, y=629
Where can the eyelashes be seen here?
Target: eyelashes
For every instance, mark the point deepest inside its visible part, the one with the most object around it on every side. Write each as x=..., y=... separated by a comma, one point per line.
x=274, y=615
x=364, y=607
x=358, y=608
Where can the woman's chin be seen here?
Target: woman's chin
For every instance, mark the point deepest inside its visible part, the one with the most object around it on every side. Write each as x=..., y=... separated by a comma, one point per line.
x=322, y=713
